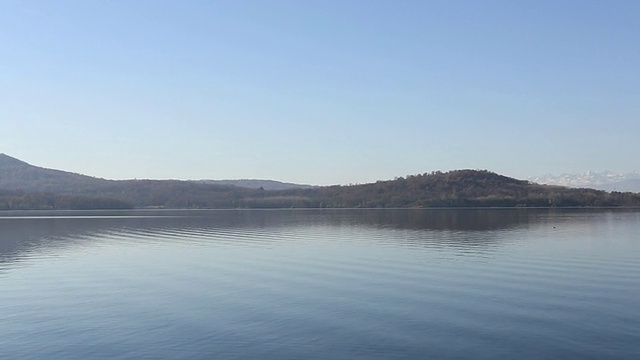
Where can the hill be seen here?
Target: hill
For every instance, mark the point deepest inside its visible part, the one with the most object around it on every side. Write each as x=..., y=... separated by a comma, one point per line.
x=19, y=175
x=461, y=188
x=257, y=184
x=24, y=186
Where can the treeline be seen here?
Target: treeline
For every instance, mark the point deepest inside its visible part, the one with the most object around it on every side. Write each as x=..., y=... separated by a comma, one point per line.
x=461, y=188
x=20, y=200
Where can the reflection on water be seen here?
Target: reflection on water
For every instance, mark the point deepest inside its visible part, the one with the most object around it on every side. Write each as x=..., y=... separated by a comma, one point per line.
x=26, y=231
x=393, y=283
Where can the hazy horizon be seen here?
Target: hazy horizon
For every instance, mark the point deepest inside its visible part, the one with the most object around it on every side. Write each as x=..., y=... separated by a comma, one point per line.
x=320, y=93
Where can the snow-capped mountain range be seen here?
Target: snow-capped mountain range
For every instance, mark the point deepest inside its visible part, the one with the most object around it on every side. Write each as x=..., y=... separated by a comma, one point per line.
x=605, y=180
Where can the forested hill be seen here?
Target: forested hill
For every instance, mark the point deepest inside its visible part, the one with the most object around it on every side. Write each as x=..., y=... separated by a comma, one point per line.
x=23, y=186
x=460, y=188
x=19, y=175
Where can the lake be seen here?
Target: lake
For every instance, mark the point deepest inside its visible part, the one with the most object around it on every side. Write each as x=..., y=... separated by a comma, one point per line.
x=320, y=284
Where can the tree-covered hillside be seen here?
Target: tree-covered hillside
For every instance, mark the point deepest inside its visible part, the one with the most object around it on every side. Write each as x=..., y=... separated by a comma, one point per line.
x=25, y=186
x=460, y=188
x=20, y=200
x=19, y=175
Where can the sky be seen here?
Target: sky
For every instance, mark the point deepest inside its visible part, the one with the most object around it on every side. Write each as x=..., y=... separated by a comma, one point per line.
x=320, y=92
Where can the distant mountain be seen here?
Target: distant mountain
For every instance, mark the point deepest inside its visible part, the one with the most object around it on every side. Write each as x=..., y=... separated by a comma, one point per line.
x=459, y=188
x=606, y=180
x=24, y=186
x=257, y=184
x=18, y=175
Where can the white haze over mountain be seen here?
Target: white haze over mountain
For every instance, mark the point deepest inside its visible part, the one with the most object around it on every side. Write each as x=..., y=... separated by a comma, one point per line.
x=605, y=180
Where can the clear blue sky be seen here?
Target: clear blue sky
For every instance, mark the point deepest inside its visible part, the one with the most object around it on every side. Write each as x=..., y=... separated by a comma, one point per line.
x=321, y=92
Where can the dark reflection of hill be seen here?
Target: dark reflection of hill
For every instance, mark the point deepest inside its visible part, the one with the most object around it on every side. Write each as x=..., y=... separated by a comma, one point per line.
x=460, y=229
x=452, y=219
x=25, y=233
x=22, y=236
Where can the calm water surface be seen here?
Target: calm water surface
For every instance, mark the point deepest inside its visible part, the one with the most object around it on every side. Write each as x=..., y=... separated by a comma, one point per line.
x=339, y=284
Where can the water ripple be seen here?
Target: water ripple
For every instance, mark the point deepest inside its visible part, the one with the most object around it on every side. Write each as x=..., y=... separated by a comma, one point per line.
x=321, y=285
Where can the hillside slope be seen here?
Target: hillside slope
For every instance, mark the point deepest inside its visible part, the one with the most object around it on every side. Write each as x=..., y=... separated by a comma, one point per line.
x=18, y=179
x=19, y=175
x=26, y=186
x=460, y=188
